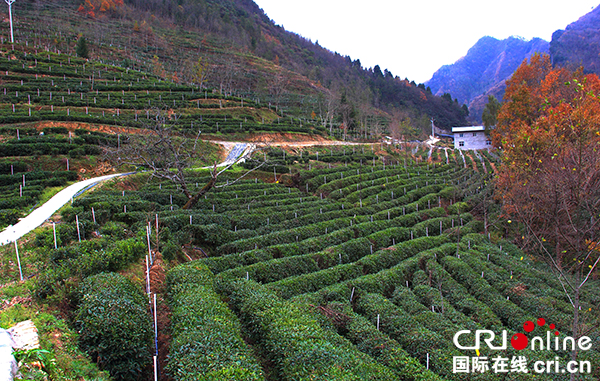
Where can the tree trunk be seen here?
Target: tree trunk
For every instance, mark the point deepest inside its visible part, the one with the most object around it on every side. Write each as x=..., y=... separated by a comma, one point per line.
x=575, y=329
x=194, y=200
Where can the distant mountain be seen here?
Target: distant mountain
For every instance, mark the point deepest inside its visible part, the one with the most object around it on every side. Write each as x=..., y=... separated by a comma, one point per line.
x=483, y=71
x=579, y=43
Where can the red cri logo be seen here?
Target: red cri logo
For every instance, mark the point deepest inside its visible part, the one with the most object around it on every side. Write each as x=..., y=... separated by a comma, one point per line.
x=519, y=341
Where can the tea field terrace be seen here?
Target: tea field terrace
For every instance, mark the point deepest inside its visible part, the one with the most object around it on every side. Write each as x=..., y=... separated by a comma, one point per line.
x=46, y=86
x=59, y=113
x=357, y=272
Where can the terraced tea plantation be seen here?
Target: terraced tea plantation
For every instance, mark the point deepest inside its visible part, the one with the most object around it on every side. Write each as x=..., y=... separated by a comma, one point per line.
x=362, y=271
x=58, y=112
x=55, y=87
x=35, y=164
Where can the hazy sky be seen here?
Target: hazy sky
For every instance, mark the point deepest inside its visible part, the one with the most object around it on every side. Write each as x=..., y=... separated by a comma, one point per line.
x=414, y=38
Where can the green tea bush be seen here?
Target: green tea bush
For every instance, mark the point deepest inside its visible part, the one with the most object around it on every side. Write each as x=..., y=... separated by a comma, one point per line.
x=82, y=260
x=115, y=230
x=460, y=298
x=206, y=336
x=114, y=326
x=369, y=264
x=430, y=318
x=9, y=216
x=415, y=338
x=368, y=339
x=296, y=344
x=17, y=167
x=231, y=261
x=65, y=233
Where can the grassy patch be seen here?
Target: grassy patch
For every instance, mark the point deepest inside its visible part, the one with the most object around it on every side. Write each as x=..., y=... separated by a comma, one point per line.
x=55, y=336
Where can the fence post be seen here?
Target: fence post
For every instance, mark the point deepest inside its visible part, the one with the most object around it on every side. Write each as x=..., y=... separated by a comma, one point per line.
x=78, y=232
x=54, y=230
x=18, y=260
x=148, y=239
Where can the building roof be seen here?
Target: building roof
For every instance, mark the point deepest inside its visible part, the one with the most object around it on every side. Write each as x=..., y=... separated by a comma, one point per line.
x=468, y=129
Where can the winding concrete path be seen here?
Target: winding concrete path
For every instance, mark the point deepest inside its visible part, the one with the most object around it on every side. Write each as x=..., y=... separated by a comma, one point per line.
x=41, y=214
x=237, y=152
x=36, y=218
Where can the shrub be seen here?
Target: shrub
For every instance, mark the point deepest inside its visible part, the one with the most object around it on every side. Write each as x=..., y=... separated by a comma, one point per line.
x=458, y=208
x=64, y=235
x=81, y=260
x=206, y=342
x=297, y=345
x=171, y=251
x=125, y=252
x=114, y=325
x=114, y=229
x=402, y=327
x=77, y=152
x=9, y=216
x=17, y=166
x=370, y=264
x=377, y=344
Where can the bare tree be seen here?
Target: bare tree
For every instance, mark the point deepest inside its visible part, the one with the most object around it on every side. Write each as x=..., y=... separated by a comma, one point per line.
x=348, y=114
x=328, y=105
x=564, y=225
x=169, y=155
x=277, y=84
x=224, y=74
x=201, y=71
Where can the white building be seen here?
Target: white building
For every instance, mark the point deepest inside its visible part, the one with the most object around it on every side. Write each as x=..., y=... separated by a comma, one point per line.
x=471, y=138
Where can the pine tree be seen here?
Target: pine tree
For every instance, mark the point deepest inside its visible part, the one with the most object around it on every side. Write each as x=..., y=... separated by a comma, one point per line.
x=82, y=48
x=490, y=112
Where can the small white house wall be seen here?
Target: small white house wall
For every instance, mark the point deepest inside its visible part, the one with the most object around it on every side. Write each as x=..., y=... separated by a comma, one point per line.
x=477, y=142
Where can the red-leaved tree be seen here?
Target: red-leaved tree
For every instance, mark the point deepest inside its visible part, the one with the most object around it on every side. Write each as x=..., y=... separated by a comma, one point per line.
x=549, y=132
x=92, y=8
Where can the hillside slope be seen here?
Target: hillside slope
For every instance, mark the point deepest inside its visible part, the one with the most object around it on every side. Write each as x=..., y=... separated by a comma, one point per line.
x=247, y=54
x=579, y=43
x=483, y=70
x=360, y=270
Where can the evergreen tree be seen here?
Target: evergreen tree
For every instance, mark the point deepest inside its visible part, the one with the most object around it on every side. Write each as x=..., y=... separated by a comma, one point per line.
x=82, y=48
x=490, y=112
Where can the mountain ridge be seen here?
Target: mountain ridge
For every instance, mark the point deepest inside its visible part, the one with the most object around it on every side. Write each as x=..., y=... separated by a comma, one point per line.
x=483, y=70
x=579, y=43
x=490, y=62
